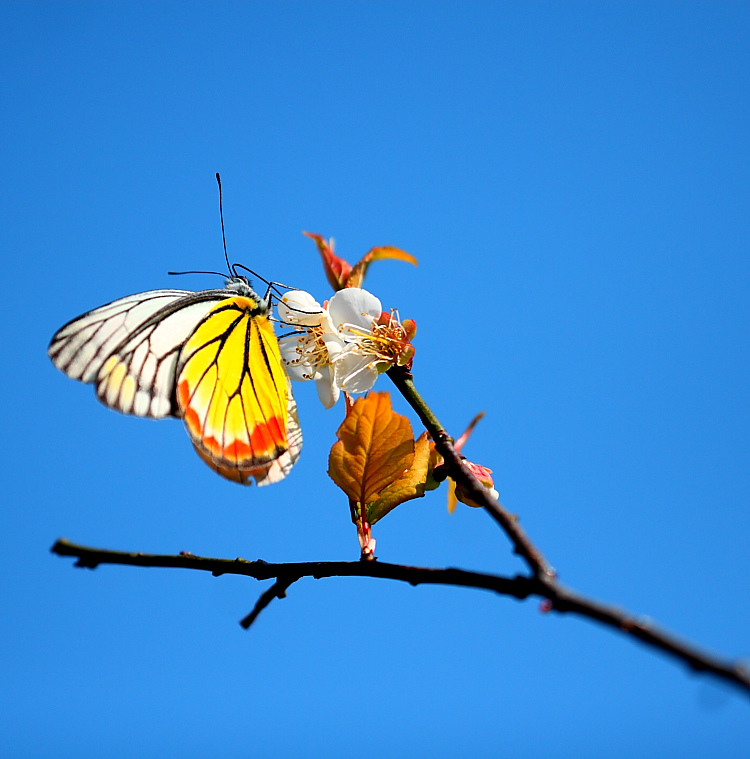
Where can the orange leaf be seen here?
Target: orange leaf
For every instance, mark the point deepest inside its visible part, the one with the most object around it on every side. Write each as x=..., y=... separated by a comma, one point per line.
x=412, y=484
x=357, y=275
x=375, y=448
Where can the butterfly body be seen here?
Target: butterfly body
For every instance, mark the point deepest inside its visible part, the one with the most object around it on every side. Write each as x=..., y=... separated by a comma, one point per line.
x=210, y=358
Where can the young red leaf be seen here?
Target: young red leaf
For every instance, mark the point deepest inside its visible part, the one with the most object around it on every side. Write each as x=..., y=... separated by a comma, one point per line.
x=357, y=275
x=336, y=268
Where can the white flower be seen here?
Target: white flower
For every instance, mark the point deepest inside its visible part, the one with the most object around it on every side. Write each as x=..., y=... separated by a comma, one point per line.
x=343, y=345
x=354, y=313
x=308, y=352
x=299, y=307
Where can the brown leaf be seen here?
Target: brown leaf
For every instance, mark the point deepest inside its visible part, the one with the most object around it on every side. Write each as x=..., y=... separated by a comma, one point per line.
x=375, y=448
x=412, y=484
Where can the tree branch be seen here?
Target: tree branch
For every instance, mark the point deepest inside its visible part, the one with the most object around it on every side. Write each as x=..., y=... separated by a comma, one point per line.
x=522, y=544
x=556, y=596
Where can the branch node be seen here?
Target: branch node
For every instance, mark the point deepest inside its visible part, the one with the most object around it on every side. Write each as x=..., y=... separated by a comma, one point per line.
x=440, y=473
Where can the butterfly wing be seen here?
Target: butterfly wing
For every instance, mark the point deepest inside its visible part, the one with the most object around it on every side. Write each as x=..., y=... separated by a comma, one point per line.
x=129, y=347
x=266, y=474
x=235, y=396
x=80, y=347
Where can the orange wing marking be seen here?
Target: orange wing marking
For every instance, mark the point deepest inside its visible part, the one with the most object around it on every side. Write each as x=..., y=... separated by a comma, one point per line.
x=232, y=388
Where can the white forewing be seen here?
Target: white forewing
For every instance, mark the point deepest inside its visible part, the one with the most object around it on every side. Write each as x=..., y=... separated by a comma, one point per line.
x=129, y=348
x=81, y=347
x=138, y=376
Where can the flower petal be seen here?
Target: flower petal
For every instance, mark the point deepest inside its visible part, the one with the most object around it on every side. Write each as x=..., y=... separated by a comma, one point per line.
x=334, y=343
x=328, y=390
x=299, y=307
x=354, y=306
x=354, y=372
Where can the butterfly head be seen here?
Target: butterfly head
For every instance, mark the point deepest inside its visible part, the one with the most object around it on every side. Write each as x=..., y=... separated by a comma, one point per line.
x=240, y=284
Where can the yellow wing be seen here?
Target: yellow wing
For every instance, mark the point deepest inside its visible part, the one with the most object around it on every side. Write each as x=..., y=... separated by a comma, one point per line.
x=265, y=474
x=234, y=394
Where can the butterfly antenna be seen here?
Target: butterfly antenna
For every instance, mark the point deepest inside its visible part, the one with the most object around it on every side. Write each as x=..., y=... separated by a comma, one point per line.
x=221, y=213
x=272, y=285
x=177, y=273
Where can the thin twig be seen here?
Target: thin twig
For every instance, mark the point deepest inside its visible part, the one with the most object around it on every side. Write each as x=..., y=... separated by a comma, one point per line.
x=522, y=544
x=277, y=590
x=557, y=597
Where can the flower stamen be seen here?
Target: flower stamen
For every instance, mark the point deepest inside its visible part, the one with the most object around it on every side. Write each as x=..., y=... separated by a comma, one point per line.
x=311, y=350
x=386, y=342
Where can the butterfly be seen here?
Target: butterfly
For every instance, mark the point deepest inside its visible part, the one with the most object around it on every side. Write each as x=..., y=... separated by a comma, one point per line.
x=210, y=358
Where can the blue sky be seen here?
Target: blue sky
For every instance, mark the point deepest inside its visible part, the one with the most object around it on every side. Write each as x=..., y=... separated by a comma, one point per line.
x=574, y=180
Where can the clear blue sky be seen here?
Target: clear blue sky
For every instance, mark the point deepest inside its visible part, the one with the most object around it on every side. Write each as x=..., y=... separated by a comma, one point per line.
x=574, y=179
